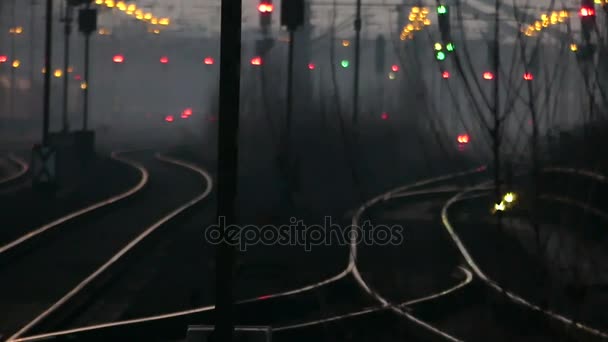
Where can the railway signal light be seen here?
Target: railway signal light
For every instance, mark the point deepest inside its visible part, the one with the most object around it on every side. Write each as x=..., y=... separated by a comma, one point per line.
x=384, y=116
x=311, y=66
x=587, y=11
x=345, y=63
x=118, y=58
x=488, y=75
x=3, y=58
x=587, y=15
x=292, y=14
x=395, y=68
x=528, y=76
x=443, y=18
x=463, y=138
x=449, y=47
x=509, y=197
x=169, y=118
x=164, y=60
x=257, y=60
x=440, y=55
x=208, y=61
x=265, y=8
x=445, y=74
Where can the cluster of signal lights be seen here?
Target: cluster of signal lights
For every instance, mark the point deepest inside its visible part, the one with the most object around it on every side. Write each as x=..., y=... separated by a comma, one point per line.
x=547, y=20
x=418, y=20
x=119, y=59
x=132, y=10
x=507, y=202
x=186, y=113
x=488, y=76
x=15, y=64
x=439, y=54
x=463, y=141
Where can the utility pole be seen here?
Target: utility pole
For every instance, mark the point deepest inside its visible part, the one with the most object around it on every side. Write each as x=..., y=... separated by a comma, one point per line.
x=32, y=44
x=292, y=16
x=289, y=89
x=67, y=20
x=230, y=68
x=357, y=61
x=85, y=110
x=13, y=53
x=497, y=119
x=47, y=74
x=87, y=24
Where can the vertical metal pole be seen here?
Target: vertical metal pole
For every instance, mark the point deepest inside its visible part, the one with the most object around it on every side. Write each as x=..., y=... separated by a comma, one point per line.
x=230, y=68
x=13, y=53
x=167, y=88
x=47, y=74
x=32, y=44
x=289, y=90
x=12, y=98
x=357, y=61
x=496, y=108
x=67, y=19
x=85, y=118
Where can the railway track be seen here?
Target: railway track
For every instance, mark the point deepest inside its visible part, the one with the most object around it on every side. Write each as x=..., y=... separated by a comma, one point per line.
x=16, y=170
x=269, y=307
x=443, y=312
x=45, y=281
x=573, y=327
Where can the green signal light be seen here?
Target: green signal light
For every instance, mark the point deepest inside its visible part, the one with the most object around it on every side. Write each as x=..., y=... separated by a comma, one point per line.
x=442, y=9
x=345, y=63
x=440, y=56
x=450, y=47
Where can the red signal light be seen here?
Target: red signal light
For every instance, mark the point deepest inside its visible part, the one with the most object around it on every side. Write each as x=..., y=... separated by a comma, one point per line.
x=187, y=112
x=256, y=60
x=528, y=76
x=3, y=58
x=265, y=7
x=488, y=75
x=311, y=66
x=164, y=60
x=118, y=58
x=395, y=68
x=169, y=118
x=208, y=60
x=445, y=74
x=384, y=116
x=587, y=12
x=463, y=138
